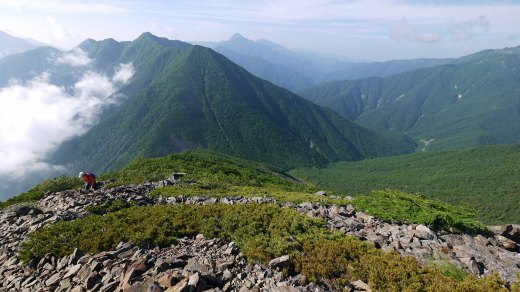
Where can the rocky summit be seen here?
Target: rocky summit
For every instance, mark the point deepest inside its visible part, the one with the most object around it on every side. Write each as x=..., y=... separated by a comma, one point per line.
x=213, y=264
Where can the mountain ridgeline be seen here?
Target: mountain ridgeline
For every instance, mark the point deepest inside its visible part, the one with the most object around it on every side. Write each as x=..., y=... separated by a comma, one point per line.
x=13, y=45
x=184, y=97
x=298, y=71
x=470, y=102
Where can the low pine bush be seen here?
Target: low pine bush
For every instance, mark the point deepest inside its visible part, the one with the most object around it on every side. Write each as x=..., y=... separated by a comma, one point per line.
x=400, y=207
x=209, y=168
x=262, y=232
x=110, y=206
x=280, y=194
x=516, y=285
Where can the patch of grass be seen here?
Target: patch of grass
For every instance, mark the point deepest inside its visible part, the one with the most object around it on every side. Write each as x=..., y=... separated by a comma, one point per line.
x=57, y=184
x=280, y=195
x=110, y=206
x=516, y=285
x=449, y=269
x=391, y=205
x=262, y=232
x=209, y=168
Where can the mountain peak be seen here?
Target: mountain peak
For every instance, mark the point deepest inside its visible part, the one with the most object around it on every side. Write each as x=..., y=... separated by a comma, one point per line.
x=198, y=98
x=148, y=37
x=87, y=42
x=146, y=34
x=237, y=37
x=11, y=45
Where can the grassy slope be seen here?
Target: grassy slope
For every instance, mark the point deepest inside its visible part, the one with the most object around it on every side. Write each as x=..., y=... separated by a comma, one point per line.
x=262, y=231
x=486, y=178
x=219, y=175
x=212, y=171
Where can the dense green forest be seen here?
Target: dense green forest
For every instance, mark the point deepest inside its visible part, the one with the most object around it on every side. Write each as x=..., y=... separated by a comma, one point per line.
x=470, y=102
x=486, y=178
x=185, y=97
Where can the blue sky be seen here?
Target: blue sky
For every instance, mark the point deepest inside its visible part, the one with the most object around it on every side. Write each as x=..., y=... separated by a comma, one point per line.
x=356, y=29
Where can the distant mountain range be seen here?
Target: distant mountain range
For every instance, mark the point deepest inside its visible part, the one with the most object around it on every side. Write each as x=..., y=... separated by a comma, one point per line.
x=472, y=101
x=184, y=97
x=297, y=71
x=12, y=45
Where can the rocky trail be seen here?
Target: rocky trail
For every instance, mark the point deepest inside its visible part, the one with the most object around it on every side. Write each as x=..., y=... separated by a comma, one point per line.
x=200, y=264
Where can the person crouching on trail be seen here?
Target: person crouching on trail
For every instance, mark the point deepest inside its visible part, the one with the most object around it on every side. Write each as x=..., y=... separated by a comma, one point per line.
x=89, y=179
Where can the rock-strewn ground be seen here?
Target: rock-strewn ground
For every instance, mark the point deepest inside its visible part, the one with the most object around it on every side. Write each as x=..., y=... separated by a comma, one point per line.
x=213, y=264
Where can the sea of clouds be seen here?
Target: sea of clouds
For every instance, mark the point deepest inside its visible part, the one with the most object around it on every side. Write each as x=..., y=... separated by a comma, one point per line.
x=36, y=116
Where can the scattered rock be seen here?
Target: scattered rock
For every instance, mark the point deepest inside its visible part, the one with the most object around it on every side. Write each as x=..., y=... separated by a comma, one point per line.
x=507, y=243
x=280, y=263
x=203, y=263
x=27, y=210
x=512, y=232
x=360, y=286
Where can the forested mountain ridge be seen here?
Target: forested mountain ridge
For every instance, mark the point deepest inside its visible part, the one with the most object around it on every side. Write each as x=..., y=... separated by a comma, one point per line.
x=297, y=71
x=183, y=97
x=470, y=102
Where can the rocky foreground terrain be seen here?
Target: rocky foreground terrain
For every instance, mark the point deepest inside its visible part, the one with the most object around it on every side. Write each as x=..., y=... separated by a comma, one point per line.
x=200, y=264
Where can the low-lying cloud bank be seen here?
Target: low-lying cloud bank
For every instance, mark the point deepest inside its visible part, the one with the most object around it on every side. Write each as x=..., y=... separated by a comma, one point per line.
x=37, y=116
x=74, y=57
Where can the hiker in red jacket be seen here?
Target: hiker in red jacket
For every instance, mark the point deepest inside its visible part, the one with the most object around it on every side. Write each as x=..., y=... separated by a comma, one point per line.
x=89, y=179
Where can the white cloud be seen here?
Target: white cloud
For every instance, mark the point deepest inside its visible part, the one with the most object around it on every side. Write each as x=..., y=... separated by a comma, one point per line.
x=59, y=35
x=57, y=31
x=465, y=30
x=36, y=117
x=75, y=57
x=63, y=6
x=123, y=73
x=410, y=33
x=93, y=86
x=332, y=26
x=447, y=30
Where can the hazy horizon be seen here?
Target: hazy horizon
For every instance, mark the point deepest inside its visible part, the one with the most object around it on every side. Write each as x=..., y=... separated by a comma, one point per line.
x=357, y=30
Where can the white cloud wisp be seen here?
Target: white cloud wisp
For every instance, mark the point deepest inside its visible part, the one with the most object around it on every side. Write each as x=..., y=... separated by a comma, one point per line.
x=123, y=73
x=36, y=117
x=75, y=57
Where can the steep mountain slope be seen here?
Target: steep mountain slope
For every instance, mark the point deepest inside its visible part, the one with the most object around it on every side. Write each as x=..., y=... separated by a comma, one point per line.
x=471, y=102
x=184, y=97
x=26, y=65
x=276, y=73
x=271, y=62
x=59, y=66
x=13, y=45
x=296, y=71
